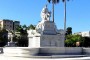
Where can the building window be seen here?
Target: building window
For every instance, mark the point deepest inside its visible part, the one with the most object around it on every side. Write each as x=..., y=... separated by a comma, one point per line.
x=10, y=26
x=4, y=21
x=10, y=22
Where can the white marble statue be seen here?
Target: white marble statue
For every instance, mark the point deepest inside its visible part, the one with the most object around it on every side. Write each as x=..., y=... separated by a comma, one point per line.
x=46, y=26
x=46, y=33
x=45, y=14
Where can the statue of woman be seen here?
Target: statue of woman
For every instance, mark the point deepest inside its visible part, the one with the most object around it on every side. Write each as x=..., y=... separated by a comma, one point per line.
x=45, y=14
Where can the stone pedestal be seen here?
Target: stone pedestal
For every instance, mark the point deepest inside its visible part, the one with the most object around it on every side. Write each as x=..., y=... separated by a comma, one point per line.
x=46, y=41
x=11, y=44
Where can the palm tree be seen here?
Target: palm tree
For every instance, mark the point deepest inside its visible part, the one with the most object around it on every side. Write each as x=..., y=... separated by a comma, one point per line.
x=65, y=14
x=57, y=1
x=53, y=2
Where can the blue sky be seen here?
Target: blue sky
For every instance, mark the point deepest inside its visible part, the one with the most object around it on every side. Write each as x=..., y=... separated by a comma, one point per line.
x=28, y=12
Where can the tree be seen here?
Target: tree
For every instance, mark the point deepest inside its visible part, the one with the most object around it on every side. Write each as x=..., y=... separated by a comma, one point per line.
x=69, y=31
x=3, y=37
x=86, y=42
x=21, y=40
x=31, y=27
x=65, y=14
x=24, y=27
x=19, y=28
x=53, y=2
x=72, y=39
x=64, y=1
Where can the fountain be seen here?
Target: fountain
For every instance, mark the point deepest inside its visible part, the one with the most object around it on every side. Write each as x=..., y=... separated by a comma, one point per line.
x=46, y=33
x=45, y=41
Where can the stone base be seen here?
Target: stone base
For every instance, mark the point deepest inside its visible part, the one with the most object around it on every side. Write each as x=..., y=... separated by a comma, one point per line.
x=20, y=51
x=42, y=52
x=46, y=41
x=11, y=44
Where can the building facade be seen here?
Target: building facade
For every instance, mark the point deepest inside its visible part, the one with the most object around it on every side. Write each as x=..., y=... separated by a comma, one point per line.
x=15, y=25
x=9, y=25
x=83, y=34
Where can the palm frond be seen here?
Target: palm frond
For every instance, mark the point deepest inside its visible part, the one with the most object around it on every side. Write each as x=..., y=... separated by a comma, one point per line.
x=67, y=0
x=49, y=1
x=57, y=1
x=64, y=0
x=54, y=1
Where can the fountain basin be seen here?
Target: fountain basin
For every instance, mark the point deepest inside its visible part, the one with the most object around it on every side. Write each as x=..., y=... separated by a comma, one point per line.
x=43, y=51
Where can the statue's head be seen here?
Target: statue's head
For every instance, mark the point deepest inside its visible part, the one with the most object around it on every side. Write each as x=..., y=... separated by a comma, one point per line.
x=45, y=9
